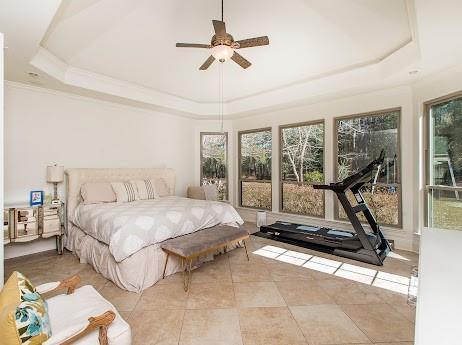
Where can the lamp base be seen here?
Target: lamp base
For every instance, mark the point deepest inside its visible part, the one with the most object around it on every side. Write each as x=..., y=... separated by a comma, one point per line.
x=55, y=200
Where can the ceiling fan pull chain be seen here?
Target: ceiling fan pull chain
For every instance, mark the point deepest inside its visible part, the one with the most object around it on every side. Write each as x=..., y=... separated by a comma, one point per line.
x=221, y=97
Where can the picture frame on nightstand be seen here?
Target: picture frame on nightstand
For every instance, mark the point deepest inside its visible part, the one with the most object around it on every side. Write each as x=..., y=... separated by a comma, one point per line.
x=36, y=198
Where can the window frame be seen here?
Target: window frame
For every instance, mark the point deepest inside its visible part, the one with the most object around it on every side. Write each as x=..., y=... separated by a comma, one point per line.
x=202, y=134
x=427, y=105
x=239, y=166
x=398, y=152
x=281, y=181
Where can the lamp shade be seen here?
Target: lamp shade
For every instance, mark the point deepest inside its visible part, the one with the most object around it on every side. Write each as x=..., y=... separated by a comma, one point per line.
x=55, y=173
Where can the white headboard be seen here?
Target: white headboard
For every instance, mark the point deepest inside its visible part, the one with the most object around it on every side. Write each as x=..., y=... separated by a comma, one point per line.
x=77, y=177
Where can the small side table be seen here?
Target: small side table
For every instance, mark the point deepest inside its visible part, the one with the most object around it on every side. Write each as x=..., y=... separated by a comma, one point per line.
x=25, y=223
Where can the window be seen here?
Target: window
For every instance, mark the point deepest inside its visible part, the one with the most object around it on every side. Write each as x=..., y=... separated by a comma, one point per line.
x=255, y=168
x=444, y=163
x=302, y=165
x=359, y=140
x=214, y=152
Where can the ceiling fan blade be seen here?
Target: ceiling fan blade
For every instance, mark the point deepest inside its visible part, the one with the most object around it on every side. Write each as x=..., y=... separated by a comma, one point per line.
x=193, y=45
x=219, y=26
x=241, y=61
x=207, y=63
x=254, y=42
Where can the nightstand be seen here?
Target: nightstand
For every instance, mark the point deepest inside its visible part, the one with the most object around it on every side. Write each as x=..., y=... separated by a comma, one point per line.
x=28, y=223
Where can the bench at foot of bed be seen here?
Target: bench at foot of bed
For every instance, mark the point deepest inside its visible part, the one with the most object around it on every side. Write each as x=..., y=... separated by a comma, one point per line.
x=192, y=246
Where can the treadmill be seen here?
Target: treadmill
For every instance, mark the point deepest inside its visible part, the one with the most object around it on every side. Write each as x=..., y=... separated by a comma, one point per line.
x=367, y=246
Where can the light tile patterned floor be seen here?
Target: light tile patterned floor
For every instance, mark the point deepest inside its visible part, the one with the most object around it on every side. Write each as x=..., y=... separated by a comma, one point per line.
x=278, y=298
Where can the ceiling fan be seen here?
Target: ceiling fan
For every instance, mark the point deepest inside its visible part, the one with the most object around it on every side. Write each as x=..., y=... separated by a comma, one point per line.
x=223, y=46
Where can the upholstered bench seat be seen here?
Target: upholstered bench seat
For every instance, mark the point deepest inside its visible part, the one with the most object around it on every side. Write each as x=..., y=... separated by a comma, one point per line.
x=191, y=246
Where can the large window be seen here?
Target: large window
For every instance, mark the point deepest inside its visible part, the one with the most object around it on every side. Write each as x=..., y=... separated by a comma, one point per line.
x=359, y=140
x=255, y=168
x=444, y=163
x=214, y=147
x=301, y=166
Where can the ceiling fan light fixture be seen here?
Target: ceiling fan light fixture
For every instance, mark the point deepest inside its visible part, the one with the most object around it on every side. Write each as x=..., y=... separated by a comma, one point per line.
x=222, y=52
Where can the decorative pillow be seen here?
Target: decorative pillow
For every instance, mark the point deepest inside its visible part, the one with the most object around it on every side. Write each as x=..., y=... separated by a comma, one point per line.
x=24, y=316
x=97, y=192
x=16, y=287
x=125, y=191
x=146, y=189
x=162, y=188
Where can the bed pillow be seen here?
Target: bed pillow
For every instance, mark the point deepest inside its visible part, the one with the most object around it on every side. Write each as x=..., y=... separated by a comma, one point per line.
x=23, y=313
x=97, y=192
x=125, y=191
x=146, y=189
x=162, y=188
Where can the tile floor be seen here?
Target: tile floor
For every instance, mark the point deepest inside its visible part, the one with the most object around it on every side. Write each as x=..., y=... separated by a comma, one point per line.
x=285, y=295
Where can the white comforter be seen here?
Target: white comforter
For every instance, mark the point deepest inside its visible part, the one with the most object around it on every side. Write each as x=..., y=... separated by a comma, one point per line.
x=128, y=227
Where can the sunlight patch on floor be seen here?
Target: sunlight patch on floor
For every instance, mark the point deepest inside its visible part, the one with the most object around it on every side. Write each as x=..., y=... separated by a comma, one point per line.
x=358, y=277
x=397, y=256
x=363, y=275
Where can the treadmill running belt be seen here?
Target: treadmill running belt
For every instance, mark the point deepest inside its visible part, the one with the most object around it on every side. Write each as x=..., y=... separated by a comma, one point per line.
x=308, y=228
x=340, y=233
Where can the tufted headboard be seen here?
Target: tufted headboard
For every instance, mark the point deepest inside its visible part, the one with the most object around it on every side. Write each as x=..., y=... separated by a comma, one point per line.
x=77, y=177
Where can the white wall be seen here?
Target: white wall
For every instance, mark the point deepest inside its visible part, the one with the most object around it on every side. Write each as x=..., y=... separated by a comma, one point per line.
x=373, y=101
x=43, y=127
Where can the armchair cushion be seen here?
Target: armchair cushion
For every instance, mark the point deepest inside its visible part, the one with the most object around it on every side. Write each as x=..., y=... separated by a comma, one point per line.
x=70, y=313
x=23, y=313
x=195, y=192
x=205, y=192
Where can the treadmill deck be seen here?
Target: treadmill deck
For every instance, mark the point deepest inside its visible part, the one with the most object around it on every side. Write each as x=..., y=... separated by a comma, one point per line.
x=328, y=237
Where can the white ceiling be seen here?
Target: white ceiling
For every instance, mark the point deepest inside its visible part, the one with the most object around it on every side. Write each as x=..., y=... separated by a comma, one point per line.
x=125, y=49
x=134, y=41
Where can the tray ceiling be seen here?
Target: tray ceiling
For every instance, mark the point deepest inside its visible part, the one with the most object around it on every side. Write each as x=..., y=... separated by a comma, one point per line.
x=124, y=50
x=134, y=41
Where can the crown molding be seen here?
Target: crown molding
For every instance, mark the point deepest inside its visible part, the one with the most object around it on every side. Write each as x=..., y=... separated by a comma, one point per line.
x=386, y=70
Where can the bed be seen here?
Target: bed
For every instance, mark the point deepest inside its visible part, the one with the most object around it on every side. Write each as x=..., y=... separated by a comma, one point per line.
x=122, y=240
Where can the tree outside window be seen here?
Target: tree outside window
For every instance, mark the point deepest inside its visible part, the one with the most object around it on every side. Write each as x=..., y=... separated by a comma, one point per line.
x=444, y=183
x=214, y=162
x=302, y=165
x=255, y=168
x=360, y=140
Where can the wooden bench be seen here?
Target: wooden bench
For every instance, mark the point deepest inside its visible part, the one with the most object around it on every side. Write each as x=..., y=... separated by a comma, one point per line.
x=191, y=246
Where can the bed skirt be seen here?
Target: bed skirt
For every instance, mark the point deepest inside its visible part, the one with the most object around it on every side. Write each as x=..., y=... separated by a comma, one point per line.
x=135, y=273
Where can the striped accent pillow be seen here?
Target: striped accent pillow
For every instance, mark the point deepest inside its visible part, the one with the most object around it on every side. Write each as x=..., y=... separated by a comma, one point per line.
x=125, y=191
x=146, y=189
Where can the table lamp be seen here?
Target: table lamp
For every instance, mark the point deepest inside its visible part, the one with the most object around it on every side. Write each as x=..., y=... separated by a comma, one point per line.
x=55, y=174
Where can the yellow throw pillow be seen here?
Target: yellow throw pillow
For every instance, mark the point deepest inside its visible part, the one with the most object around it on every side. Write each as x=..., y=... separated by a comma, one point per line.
x=23, y=313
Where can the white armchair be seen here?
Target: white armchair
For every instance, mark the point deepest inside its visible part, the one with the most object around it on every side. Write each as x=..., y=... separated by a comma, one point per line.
x=82, y=316
x=205, y=192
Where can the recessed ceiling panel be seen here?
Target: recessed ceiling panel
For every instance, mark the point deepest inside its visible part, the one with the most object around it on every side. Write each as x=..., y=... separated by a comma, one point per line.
x=134, y=41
